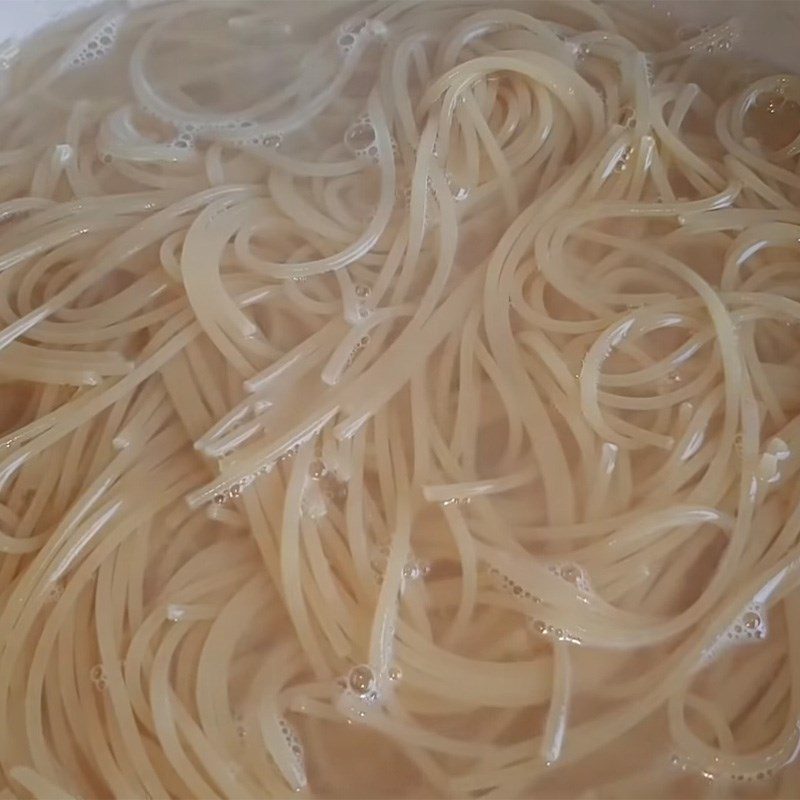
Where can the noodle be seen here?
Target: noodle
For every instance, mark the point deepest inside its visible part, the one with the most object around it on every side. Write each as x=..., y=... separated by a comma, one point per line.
x=403, y=380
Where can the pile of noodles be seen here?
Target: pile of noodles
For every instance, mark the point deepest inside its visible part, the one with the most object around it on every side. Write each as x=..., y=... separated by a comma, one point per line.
x=398, y=399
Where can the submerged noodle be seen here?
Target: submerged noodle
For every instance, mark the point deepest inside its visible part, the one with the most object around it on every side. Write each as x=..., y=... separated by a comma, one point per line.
x=398, y=399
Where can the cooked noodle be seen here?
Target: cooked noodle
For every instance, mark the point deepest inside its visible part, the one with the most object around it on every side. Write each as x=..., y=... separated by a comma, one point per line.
x=398, y=399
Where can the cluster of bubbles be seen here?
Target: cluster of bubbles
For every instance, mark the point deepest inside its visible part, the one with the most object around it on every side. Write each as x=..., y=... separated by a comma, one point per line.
x=687, y=764
x=98, y=676
x=358, y=693
x=360, y=690
x=455, y=501
x=650, y=70
x=775, y=100
x=292, y=738
x=509, y=586
x=750, y=626
x=335, y=490
x=317, y=469
x=362, y=309
x=236, y=132
x=98, y=44
x=708, y=40
x=580, y=51
x=623, y=159
x=357, y=348
x=542, y=628
x=359, y=139
x=358, y=31
x=235, y=492
x=294, y=745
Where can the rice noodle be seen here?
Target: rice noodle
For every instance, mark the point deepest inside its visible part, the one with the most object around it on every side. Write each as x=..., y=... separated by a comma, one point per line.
x=403, y=379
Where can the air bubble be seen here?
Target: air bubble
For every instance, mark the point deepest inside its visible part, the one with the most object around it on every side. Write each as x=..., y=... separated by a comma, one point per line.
x=362, y=290
x=175, y=612
x=395, y=673
x=359, y=136
x=413, y=569
x=752, y=621
x=361, y=680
